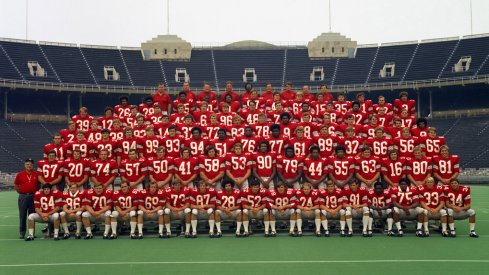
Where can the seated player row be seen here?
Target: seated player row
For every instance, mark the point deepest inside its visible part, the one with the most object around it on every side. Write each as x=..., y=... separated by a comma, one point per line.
x=428, y=201
x=261, y=166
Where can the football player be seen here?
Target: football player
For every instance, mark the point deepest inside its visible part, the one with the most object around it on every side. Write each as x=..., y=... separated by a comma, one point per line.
x=125, y=205
x=356, y=206
x=406, y=205
x=47, y=204
x=458, y=203
x=331, y=206
x=203, y=203
x=98, y=206
x=306, y=203
x=72, y=210
x=281, y=205
x=151, y=203
x=432, y=201
x=228, y=204
x=177, y=207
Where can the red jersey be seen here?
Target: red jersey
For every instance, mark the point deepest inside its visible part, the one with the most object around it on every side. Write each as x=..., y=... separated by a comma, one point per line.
x=203, y=94
x=355, y=198
x=419, y=169
x=432, y=146
x=368, y=130
x=202, y=117
x=73, y=201
x=49, y=202
x=287, y=95
x=274, y=116
x=186, y=129
x=331, y=200
x=386, y=106
x=262, y=130
x=233, y=106
x=264, y=163
x=198, y=198
x=110, y=145
x=333, y=128
x=366, y=106
x=288, y=129
x=60, y=150
x=277, y=145
x=161, y=129
x=409, y=105
x=432, y=197
x=93, y=135
x=289, y=167
x=103, y=170
x=405, y=198
x=408, y=122
x=223, y=146
x=359, y=117
x=76, y=170
x=152, y=201
x=50, y=171
x=249, y=116
x=277, y=199
x=211, y=130
x=342, y=106
x=188, y=104
x=367, y=168
x=357, y=129
x=394, y=169
x=385, y=120
x=82, y=123
x=140, y=130
x=115, y=135
x=177, y=199
x=238, y=165
x=160, y=168
x=226, y=200
x=212, y=167
x=162, y=99
x=327, y=144
x=153, y=119
x=125, y=201
x=341, y=168
x=147, y=110
x=459, y=197
x=197, y=146
x=97, y=202
x=226, y=118
x=235, y=130
x=172, y=145
x=122, y=111
x=84, y=146
x=124, y=145
x=132, y=170
x=301, y=146
x=254, y=200
x=335, y=116
x=353, y=144
x=315, y=169
x=106, y=122
x=446, y=167
x=250, y=144
x=394, y=132
x=380, y=147
x=186, y=168
x=405, y=147
x=379, y=200
x=177, y=118
x=67, y=135
x=309, y=200
x=418, y=132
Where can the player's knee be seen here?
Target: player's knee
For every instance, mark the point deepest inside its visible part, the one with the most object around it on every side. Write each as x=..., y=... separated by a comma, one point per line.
x=237, y=211
x=365, y=210
x=298, y=211
x=187, y=211
x=132, y=213
x=62, y=214
x=388, y=211
x=167, y=211
x=55, y=216
x=342, y=212
x=32, y=217
x=324, y=212
x=265, y=210
x=443, y=212
x=108, y=213
x=348, y=212
x=291, y=211
x=317, y=211
x=78, y=213
x=140, y=212
x=274, y=212
x=159, y=212
x=471, y=212
x=396, y=210
x=115, y=214
x=86, y=214
x=210, y=211
x=195, y=211
x=450, y=212
x=245, y=211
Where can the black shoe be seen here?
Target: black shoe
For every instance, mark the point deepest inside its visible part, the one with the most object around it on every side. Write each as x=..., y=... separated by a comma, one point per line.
x=90, y=236
x=473, y=234
x=211, y=235
x=326, y=233
x=218, y=235
x=133, y=236
x=105, y=237
x=45, y=229
x=66, y=236
x=299, y=234
x=365, y=234
x=370, y=234
x=113, y=236
x=453, y=234
x=342, y=233
x=168, y=235
x=400, y=233
x=419, y=234
x=426, y=234
x=238, y=235
x=390, y=233
x=245, y=234
x=292, y=234
x=55, y=237
x=187, y=235
x=267, y=235
x=445, y=234
x=161, y=236
x=77, y=236
x=273, y=234
x=350, y=234
x=29, y=238
x=140, y=236
x=194, y=235
x=318, y=233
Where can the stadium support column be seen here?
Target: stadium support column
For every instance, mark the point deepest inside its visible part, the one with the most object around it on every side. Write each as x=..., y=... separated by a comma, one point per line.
x=431, y=105
x=419, y=103
x=80, y=101
x=68, y=105
x=5, y=95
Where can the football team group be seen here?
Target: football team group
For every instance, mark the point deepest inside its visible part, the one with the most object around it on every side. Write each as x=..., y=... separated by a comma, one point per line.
x=287, y=156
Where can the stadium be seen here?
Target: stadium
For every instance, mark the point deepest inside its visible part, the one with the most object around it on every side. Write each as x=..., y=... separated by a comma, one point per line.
x=179, y=97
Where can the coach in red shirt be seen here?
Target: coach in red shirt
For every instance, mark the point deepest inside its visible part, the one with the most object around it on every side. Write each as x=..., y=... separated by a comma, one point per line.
x=26, y=184
x=162, y=98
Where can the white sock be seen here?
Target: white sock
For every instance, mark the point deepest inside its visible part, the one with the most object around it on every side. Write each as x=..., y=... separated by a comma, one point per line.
x=140, y=228
x=299, y=225
x=133, y=227
x=211, y=226
x=168, y=228
x=342, y=225
x=218, y=226
x=56, y=231
x=452, y=226
x=78, y=227
x=425, y=225
x=292, y=225
x=272, y=225
x=370, y=222
x=472, y=226
x=443, y=227
x=246, y=225
x=349, y=222
x=114, y=227
x=194, y=226
x=418, y=225
x=325, y=224
x=318, y=224
x=267, y=225
x=31, y=231
x=390, y=221
x=365, y=222
x=187, y=228
x=106, y=229
x=160, y=229
x=238, y=226
x=89, y=229
x=65, y=228
x=398, y=226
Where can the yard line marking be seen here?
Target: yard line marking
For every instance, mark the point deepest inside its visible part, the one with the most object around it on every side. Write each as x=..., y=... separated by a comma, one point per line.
x=251, y=262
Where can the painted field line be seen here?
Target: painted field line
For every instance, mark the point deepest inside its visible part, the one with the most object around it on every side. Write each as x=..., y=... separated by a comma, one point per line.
x=251, y=262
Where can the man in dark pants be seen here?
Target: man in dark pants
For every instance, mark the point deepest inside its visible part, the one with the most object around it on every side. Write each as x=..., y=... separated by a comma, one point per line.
x=26, y=184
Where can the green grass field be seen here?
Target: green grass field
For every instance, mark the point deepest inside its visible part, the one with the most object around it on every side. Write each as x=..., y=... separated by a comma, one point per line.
x=254, y=255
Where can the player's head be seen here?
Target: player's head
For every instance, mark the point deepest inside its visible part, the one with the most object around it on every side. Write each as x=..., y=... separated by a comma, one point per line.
x=403, y=95
x=353, y=184
x=379, y=132
x=314, y=150
x=132, y=154
x=340, y=151
x=289, y=152
x=182, y=96
x=109, y=111
x=366, y=151
x=80, y=135
x=140, y=120
x=160, y=151
x=418, y=152
x=149, y=100
x=393, y=154
x=177, y=184
x=188, y=119
x=202, y=186
x=185, y=153
x=124, y=100
x=125, y=187
x=350, y=131
x=255, y=186
x=263, y=146
x=421, y=123
x=455, y=183
x=153, y=187
x=238, y=148
x=275, y=130
x=76, y=154
x=324, y=130
x=429, y=182
x=221, y=133
x=406, y=132
x=379, y=188
x=285, y=117
x=330, y=186
x=57, y=138
x=355, y=106
x=210, y=151
x=46, y=188
x=51, y=155
x=128, y=132
x=404, y=183
x=444, y=151
x=228, y=98
x=306, y=187
x=299, y=131
x=172, y=130
x=196, y=132
x=105, y=133
x=280, y=187
x=73, y=188
x=98, y=188
x=103, y=154
x=248, y=131
x=227, y=185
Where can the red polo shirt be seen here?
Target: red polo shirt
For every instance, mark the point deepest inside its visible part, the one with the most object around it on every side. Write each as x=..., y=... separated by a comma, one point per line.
x=27, y=182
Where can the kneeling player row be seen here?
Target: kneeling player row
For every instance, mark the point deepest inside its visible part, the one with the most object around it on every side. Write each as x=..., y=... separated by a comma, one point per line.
x=429, y=201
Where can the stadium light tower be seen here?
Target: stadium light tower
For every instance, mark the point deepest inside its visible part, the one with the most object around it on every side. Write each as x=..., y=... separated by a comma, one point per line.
x=26, y=19
x=471, y=32
x=167, y=16
x=329, y=17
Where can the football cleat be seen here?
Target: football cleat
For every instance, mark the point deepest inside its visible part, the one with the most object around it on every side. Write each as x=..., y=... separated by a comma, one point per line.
x=211, y=235
x=390, y=233
x=77, y=236
x=453, y=234
x=370, y=234
x=113, y=236
x=29, y=238
x=90, y=236
x=105, y=237
x=365, y=234
x=55, y=237
x=133, y=236
x=299, y=233
x=66, y=236
x=326, y=233
x=187, y=235
x=427, y=234
x=238, y=235
x=473, y=234
x=140, y=236
x=350, y=234
x=419, y=233
x=218, y=235
x=45, y=229
x=445, y=234
x=273, y=234
x=400, y=233
x=245, y=234
x=318, y=233
x=342, y=233
x=161, y=236
x=168, y=235
x=267, y=235
x=194, y=235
